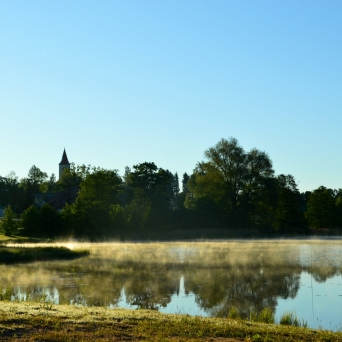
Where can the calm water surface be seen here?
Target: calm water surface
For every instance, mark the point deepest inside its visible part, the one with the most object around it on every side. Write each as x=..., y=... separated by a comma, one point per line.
x=196, y=278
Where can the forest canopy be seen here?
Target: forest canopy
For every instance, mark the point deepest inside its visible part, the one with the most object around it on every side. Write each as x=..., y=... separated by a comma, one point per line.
x=230, y=189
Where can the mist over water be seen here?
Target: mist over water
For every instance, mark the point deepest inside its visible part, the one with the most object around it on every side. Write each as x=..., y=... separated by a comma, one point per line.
x=196, y=278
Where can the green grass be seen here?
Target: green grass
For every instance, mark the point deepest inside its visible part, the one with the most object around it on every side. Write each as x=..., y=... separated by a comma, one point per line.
x=19, y=254
x=234, y=313
x=266, y=315
x=42, y=322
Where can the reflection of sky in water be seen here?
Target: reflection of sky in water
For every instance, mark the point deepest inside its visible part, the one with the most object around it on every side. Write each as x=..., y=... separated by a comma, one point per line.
x=48, y=294
x=183, y=303
x=180, y=302
x=320, y=304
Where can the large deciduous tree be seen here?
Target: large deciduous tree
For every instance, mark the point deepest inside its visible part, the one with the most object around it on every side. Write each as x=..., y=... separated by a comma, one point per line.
x=34, y=183
x=152, y=188
x=36, y=177
x=30, y=221
x=231, y=181
x=74, y=176
x=321, y=208
x=42, y=222
x=92, y=212
x=288, y=216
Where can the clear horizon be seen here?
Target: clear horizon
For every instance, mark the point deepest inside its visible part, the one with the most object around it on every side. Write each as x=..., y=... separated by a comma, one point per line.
x=120, y=83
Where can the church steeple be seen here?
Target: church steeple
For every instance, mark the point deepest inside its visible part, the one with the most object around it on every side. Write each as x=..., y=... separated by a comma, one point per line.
x=64, y=164
x=64, y=160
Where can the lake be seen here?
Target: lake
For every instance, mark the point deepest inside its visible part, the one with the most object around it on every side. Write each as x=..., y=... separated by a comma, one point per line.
x=195, y=278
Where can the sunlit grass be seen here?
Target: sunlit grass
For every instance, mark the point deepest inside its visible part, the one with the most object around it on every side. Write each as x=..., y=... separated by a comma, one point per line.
x=42, y=322
x=266, y=315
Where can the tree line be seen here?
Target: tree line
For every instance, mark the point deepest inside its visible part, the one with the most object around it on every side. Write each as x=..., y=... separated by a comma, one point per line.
x=231, y=189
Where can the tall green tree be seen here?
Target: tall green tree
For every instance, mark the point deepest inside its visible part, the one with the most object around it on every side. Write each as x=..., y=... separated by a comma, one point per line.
x=51, y=184
x=36, y=177
x=288, y=216
x=10, y=193
x=151, y=193
x=30, y=221
x=8, y=225
x=149, y=178
x=34, y=183
x=50, y=221
x=185, y=180
x=41, y=222
x=74, y=176
x=175, y=184
x=321, y=208
x=98, y=191
x=231, y=180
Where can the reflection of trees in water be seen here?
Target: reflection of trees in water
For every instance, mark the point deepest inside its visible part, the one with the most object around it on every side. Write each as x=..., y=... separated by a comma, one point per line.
x=322, y=260
x=245, y=288
x=322, y=274
x=248, y=276
x=151, y=290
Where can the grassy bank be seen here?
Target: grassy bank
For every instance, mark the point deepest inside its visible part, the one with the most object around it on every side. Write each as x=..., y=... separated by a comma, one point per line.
x=19, y=239
x=19, y=254
x=45, y=322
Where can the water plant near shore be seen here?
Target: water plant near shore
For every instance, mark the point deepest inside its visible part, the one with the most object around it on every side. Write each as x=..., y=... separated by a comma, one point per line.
x=290, y=318
x=266, y=315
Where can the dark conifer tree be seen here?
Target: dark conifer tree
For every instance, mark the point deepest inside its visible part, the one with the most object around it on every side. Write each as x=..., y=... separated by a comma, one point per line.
x=175, y=184
x=185, y=180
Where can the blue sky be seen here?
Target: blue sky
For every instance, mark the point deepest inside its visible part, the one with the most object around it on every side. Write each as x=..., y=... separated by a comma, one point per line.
x=118, y=83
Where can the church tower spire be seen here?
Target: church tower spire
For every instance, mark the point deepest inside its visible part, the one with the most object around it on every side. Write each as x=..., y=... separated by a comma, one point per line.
x=64, y=164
